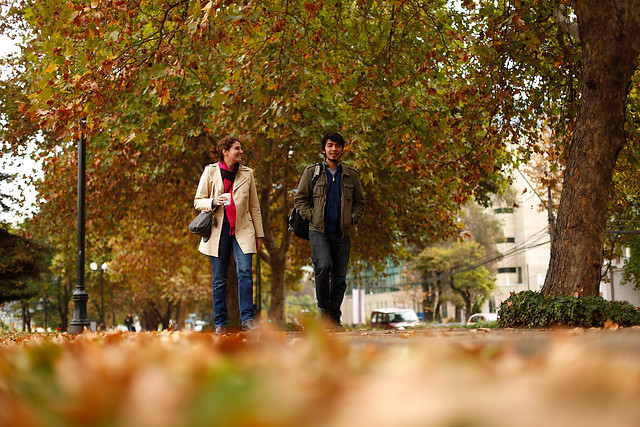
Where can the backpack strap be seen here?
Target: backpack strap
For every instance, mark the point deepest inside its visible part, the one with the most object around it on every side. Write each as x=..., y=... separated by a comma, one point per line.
x=316, y=174
x=314, y=178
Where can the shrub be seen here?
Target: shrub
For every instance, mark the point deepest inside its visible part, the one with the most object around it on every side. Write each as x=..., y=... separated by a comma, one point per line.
x=532, y=309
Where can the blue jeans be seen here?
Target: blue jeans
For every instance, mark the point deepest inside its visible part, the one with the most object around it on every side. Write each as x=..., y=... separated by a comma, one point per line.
x=330, y=255
x=220, y=265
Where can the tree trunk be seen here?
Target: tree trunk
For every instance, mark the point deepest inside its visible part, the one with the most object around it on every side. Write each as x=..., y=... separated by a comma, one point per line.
x=610, y=38
x=428, y=300
x=181, y=315
x=26, y=316
x=277, y=307
x=438, y=314
x=165, y=318
x=151, y=317
x=233, y=307
x=458, y=317
x=63, y=294
x=466, y=297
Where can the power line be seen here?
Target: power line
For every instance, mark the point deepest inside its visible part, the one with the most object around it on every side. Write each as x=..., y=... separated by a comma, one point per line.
x=461, y=269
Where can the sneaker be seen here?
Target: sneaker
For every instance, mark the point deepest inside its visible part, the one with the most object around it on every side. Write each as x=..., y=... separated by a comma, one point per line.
x=221, y=330
x=248, y=326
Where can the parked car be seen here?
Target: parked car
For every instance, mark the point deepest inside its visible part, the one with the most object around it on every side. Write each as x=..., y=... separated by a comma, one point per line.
x=482, y=318
x=394, y=318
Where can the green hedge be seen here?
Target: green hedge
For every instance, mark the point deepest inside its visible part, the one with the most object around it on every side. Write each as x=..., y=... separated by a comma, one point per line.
x=532, y=309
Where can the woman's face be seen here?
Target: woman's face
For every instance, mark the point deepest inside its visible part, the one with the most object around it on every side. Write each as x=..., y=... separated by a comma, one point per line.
x=233, y=155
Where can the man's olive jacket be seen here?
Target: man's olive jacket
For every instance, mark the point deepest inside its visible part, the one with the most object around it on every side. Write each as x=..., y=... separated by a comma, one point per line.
x=352, y=198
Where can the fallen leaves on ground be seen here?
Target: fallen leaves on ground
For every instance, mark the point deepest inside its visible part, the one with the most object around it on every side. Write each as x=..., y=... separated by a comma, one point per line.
x=267, y=378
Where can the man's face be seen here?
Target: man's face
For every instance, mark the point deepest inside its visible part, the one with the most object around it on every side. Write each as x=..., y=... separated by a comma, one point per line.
x=332, y=151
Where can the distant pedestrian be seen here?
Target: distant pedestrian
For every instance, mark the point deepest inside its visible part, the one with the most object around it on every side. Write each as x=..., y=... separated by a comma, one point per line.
x=128, y=322
x=338, y=204
x=231, y=186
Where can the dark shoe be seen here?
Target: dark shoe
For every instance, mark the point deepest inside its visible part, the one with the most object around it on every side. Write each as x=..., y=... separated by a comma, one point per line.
x=337, y=326
x=248, y=326
x=221, y=330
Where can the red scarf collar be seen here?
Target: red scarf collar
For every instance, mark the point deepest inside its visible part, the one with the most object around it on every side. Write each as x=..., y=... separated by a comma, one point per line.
x=228, y=188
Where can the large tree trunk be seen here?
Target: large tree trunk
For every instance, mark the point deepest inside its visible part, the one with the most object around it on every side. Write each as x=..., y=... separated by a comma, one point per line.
x=181, y=315
x=610, y=38
x=233, y=308
x=277, y=307
x=61, y=305
x=26, y=316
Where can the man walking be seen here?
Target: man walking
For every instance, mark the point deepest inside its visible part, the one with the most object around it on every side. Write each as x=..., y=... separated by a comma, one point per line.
x=337, y=204
x=128, y=322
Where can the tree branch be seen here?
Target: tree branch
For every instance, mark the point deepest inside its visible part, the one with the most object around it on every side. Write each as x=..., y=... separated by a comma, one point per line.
x=564, y=22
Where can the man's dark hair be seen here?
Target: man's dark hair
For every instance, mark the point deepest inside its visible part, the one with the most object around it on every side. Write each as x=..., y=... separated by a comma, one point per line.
x=335, y=137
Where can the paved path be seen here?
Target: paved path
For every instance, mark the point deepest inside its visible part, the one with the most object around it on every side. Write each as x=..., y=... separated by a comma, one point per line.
x=528, y=340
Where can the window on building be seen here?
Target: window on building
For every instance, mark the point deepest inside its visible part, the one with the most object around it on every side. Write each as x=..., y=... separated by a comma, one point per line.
x=503, y=210
x=510, y=240
x=512, y=270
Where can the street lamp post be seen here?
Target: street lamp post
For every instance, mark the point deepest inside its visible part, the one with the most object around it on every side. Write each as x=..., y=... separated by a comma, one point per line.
x=101, y=269
x=80, y=296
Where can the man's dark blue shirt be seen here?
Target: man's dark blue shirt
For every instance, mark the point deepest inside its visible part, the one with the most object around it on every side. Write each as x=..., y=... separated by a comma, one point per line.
x=333, y=206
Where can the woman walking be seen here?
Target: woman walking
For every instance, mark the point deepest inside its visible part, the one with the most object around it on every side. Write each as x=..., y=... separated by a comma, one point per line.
x=229, y=188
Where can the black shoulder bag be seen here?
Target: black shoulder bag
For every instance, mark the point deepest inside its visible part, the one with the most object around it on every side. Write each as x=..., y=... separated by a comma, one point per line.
x=206, y=220
x=297, y=224
x=203, y=224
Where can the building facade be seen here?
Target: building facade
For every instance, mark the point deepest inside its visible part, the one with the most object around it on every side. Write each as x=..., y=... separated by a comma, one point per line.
x=523, y=266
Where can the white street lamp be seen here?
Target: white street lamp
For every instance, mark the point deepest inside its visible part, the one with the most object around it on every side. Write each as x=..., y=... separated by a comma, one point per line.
x=101, y=269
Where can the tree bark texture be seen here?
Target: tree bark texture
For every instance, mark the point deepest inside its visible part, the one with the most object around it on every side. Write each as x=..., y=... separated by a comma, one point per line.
x=181, y=313
x=610, y=39
x=278, y=281
x=233, y=307
x=277, y=253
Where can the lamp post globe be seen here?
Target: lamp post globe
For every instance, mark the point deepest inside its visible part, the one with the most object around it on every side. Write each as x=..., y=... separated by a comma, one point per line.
x=101, y=269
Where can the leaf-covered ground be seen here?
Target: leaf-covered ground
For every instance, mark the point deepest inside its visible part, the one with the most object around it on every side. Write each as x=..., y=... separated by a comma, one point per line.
x=430, y=377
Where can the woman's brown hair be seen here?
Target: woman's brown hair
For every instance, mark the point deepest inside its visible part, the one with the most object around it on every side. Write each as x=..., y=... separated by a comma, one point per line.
x=224, y=144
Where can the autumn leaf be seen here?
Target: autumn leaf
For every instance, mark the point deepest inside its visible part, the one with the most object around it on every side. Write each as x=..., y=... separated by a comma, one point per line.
x=51, y=68
x=164, y=96
x=610, y=325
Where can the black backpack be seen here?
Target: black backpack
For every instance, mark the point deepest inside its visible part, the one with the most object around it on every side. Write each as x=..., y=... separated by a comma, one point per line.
x=297, y=224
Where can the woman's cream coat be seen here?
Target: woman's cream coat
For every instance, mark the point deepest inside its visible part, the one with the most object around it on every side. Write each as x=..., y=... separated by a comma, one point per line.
x=245, y=197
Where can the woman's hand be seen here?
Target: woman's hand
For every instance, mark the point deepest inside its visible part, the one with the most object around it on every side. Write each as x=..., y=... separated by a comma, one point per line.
x=223, y=199
x=259, y=243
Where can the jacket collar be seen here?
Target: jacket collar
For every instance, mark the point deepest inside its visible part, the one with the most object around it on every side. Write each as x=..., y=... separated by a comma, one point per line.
x=326, y=165
x=241, y=177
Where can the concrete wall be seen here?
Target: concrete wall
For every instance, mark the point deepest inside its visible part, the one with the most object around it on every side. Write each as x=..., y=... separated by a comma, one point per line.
x=618, y=292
